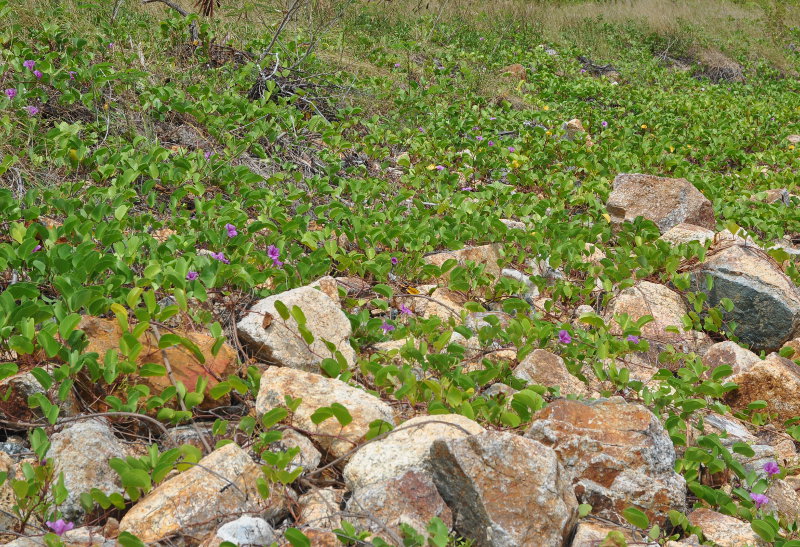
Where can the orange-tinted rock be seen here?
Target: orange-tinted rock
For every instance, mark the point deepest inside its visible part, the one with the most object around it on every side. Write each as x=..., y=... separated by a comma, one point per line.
x=516, y=71
x=775, y=380
x=729, y=353
x=616, y=453
x=724, y=530
x=104, y=334
x=547, y=369
x=487, y=255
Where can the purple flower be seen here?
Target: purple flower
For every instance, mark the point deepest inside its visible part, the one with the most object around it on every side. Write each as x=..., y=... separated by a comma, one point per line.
x=440, y=167
x=490, y=143
x=37, y=248
x=207, y=154
x=29, y=64
x=32, y=110
x=632, y=338
x=492, y=118
x=38, y=74
x=771, y=468
x=72, y=74
x=564, y=337
x=397, y=65
x=467, y=189
x=421, y=129
x=759, y=499
x=512, y=149
x=221, y=257
x=11, y=92
x=111, y=45
x=481, y=38
x=231, y=230
x=478, y=138
x=583, y=70
x=191, y=276
x=273, y=252
x=604, y=124
x=386, y=327
x=405, y=310
x=395, y=260
x=59, y=526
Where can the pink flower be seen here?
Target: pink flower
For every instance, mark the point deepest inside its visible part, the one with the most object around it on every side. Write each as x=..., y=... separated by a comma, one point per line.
x=395, y=260
x=11, y=92
x=273, y=252
x=37, y=248
x=632, y=338
x=490, y=143
x=759, y=499
x=771, y=468
x=564, y=337
x=29, y=64
x=512, y=149
x=32, y=110
x=59, y=526
x=38, y=74
x=405, y=310
x=397, y=65
x=387, y=328
x=478, y=138
x=604, y=124
x=191, y=276
x=440, y=167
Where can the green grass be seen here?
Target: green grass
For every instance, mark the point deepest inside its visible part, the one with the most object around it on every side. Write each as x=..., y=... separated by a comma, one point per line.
x=107, y=197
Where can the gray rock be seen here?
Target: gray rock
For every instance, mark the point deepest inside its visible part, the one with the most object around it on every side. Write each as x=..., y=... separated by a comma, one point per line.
x=247, y=531
x=279, y=342
x=504, y=490
x=766, y=302
x=81, y=451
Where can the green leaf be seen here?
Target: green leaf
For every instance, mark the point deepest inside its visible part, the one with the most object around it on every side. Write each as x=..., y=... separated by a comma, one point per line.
x=764, y=529
x=584, y=509
x=273, y=416
x=342, y=414
x=744, y=449
x=8, y=370
x=152, y=369
x=126, y=539
x=297, y=538
x=169, y=340
x=636, y=517
x=282, y=310
x=68, y=324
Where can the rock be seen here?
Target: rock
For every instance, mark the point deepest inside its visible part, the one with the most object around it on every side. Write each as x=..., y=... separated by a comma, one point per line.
x=774, y=195
x=504, y=490
x=766, y=303
x=775, y=380
x=592, y=534
x=667, y=308
x=86, y=536
x=247, y=531
x=16, y=390
x=573, y=130
x=547, y=369
x=190, y=434
x=329, y=286
x=196, y=500
x=729, y=353
x=684, y=233
x=514, y=224
x=616, y=454
x=81, y=451
x=308, y=458
x=516, y=71
x=407, y=447
x=795, y=345
x=446, y=304
x=317, y=391
x=499, y=389
x=477, y=320
x=487, y=255
x=279, y=342
x=793, y=139
x=723, y=530
x=783, y=500
x=411, y=499
x=104, y=335
x=667, y=202
x=320, y=508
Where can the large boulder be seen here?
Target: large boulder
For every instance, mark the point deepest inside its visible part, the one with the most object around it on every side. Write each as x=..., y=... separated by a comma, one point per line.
x=81, y=451
x=775, y=380
x=410, y=498
x=504, y=490
x=279, y=342
x=407, y=447
x=105, y=334
x=317, y=391
x=194, y=502
x=617, y=454
x=667, y=202
x=766, y=302
x=667, y=309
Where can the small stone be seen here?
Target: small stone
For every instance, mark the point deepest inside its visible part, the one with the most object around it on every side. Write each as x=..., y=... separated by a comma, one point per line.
x=279, y=342
x=685, y=233
x=547, y=369
x=487, y=255
x=317, y=391
x=308, y=458
x=320, y=508
x=783, y=500
x=593, y=534
x=667, y=202
x=247, y=531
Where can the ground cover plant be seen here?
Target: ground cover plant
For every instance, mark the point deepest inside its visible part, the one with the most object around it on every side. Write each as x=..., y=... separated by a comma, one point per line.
x=162, y=172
